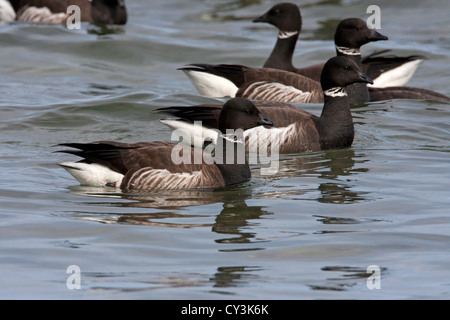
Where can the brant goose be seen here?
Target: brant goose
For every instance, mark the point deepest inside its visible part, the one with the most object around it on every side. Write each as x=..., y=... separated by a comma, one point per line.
x=55, y=11
x=350, y=35
x=279, y=85
x=360, y=92
x=384, y=70
x=296, y=131
x=151, y=165
x=231, y=80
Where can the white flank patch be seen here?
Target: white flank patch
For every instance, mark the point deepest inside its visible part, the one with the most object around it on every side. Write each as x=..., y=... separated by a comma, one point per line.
x=93, y=174
x=398, y=76
x=268, y=138
x=348, y=51
x=263, y=146
x=231, y=138
x=286, y=34
x=335, y=92
x=7, y=13
x=42, y=15
x=194, y=135
x=275, y=91
x=210, y=85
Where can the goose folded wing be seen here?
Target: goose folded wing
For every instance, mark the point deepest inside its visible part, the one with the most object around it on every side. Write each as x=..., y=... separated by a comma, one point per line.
x=374, y=65
x=125, y=157
x=279, y=85
x=379, y=94
x=282, y=113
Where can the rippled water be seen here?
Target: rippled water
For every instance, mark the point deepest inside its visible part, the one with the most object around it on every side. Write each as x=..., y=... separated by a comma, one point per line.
x=308, y=232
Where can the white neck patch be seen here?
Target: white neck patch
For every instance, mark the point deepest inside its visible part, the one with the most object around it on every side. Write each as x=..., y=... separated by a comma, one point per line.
x=335, y=92
x=287, y=34
x=231, y=138
x=348, y=51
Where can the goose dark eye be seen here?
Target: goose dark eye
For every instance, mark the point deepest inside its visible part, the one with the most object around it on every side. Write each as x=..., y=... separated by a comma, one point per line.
x=247, y=111
x=275, y=12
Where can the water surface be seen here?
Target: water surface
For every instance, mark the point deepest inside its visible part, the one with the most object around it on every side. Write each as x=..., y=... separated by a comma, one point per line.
x=308, y=232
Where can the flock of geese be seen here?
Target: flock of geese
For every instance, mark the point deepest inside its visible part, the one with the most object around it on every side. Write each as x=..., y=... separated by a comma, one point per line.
x=258, y=104
x=56, y=11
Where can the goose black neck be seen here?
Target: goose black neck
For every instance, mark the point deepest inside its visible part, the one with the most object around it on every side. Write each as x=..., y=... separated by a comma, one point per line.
x=281, y=56
x=358, y=92
x=231, y=160
x=335, y=124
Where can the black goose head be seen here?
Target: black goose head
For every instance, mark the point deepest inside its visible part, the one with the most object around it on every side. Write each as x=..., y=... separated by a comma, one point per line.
x=341, y=71
x=354, y=32
x=285, y=16
x=109, y=11
x=241, y=113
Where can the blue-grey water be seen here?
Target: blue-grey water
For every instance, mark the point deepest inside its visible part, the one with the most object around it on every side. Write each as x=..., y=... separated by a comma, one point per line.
x=309, y=232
